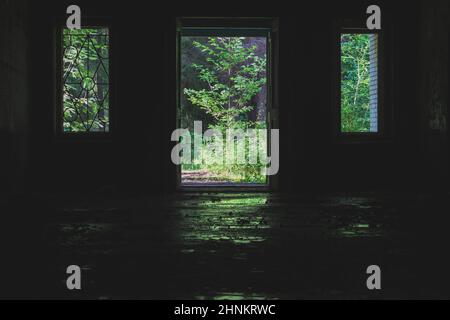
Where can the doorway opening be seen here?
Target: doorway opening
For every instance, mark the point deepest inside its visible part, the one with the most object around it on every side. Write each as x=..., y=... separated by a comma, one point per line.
x=223, y=100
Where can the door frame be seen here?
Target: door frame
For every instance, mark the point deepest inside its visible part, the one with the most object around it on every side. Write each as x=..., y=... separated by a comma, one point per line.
x=267, y=27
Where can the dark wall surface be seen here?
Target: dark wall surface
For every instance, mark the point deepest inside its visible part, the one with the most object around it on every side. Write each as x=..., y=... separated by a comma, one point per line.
x=137, y=155
x=434, y=91
x=14, y=103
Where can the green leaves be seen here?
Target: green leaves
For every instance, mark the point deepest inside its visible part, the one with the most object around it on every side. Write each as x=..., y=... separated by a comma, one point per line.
x=233, y=75
x=85, y=80
x=229, y=74
x=355, y=82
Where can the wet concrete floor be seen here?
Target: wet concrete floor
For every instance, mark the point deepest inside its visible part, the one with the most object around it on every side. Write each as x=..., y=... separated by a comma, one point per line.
x=232, y=246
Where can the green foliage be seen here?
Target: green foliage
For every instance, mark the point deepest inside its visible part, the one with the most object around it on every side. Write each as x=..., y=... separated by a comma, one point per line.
x=230, y=75
x=237, y=173
x=85, y=80
x=234, y=74
x=355, y=82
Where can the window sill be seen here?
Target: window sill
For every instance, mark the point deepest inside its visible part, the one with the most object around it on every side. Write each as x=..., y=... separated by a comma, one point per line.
x=89, y=137
x=362, y=138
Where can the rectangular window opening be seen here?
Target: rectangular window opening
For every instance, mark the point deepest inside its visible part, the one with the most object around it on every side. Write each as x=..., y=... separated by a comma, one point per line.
x=359, y=82
x=223, y=85
x=85, y=80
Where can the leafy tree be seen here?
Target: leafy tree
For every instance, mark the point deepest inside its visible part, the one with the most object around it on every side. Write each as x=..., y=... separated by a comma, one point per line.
x=355, y=83
x=229, y=73
x=85, y=76
x=233, y=75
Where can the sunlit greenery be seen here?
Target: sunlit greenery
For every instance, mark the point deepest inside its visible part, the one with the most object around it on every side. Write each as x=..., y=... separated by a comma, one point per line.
x=85, y=80
x=355, y=83
x=223, y=77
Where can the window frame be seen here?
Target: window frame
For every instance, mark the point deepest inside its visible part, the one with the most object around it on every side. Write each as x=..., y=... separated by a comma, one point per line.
x=270, y=24
x=383, y=121
x=87, y=22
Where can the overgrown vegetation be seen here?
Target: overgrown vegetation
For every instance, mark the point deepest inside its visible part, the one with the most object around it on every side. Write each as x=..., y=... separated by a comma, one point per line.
x=85, y=80
x=230, y=74
x=355, y=83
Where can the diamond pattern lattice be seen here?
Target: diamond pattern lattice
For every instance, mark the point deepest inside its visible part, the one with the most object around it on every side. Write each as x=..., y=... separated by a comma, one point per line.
x=86, y=83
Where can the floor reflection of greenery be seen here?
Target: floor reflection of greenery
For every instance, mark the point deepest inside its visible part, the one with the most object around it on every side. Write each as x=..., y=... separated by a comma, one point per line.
x=237, y=220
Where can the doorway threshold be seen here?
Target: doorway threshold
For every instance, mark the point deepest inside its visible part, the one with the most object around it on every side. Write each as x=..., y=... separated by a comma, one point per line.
x=223, y=187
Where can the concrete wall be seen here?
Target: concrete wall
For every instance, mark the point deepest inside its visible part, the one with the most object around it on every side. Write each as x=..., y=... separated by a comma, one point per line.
x=14, y=122
x=434, y=86
x=138, y=153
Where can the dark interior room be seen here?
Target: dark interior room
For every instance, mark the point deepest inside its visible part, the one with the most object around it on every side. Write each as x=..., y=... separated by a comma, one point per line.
x=347, y=197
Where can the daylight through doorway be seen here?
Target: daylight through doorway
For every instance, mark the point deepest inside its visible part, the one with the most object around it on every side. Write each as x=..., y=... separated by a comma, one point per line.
x=223, y=86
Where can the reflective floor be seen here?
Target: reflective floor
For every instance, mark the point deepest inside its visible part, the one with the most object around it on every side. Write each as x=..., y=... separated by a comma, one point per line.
x=238, y=246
